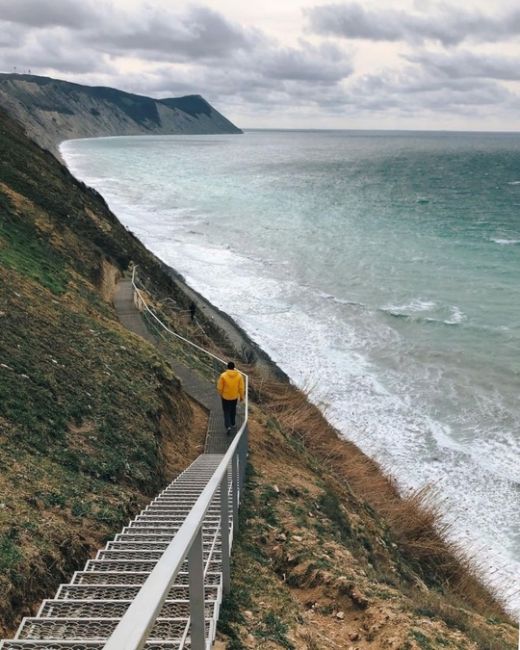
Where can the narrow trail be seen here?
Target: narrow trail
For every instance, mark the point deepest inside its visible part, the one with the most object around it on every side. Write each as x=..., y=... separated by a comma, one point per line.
x=196, y=386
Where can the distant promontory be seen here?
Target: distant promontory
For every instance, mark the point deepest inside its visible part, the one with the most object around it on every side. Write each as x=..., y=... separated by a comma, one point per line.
x=52, y=110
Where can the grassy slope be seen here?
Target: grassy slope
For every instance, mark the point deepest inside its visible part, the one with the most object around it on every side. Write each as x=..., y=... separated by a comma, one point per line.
x=92, y=420
x=317, y=566
x=330, y=558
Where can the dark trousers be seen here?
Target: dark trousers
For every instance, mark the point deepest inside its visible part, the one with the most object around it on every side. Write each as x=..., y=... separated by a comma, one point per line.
x=229, y=406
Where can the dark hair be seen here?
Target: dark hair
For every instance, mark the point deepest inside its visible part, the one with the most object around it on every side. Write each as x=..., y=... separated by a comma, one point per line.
x=231, y=365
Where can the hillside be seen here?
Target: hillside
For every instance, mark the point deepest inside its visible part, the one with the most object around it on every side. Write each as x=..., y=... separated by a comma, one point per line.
x=54, y=110
x=93, y=422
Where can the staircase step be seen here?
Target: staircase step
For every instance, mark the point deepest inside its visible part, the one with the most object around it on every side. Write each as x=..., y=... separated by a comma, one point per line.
x=94, y=628
x=123, y=592
x=88, y=609
x=22, y=644
x=133, y=578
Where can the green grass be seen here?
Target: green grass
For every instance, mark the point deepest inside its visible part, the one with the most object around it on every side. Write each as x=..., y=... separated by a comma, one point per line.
x=274, y=629
x=23, y=250
x=267, y=507
x=331, y=507
x=422, y=640
x=10, y=555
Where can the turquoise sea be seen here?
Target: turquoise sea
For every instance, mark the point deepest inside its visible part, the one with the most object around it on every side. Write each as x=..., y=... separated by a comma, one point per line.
x=380, y=270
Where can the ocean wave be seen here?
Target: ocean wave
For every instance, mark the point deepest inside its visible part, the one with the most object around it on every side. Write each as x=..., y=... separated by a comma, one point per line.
x=505, y=242
x=412, y=307
x=514, y=183
x=417, y=309
x=457, y=316
x=382, y=410
x=340, y=301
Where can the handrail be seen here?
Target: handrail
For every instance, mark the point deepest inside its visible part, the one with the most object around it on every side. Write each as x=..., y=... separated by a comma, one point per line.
x=170, y=331
x=134, y=627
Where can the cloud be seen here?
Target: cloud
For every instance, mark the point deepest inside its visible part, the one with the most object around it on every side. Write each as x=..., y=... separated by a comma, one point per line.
x=11, y=37
x=48, y=13
x=53, y=50
x=193, y=51
x=198, y=33
x=162, y=50
x=415, y=91
x=463, y=64
x=447, y=24
x=252, y=79
x=323, y=64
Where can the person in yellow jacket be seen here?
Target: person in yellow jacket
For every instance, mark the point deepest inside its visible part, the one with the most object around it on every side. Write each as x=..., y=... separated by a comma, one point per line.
x=230, y=387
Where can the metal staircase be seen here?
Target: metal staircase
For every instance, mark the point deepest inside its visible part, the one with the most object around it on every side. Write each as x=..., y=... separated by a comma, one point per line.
x=85, y=612
x=160, y=582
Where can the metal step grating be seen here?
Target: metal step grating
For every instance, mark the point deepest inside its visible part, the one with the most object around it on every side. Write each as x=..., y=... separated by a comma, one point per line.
x=85, y=611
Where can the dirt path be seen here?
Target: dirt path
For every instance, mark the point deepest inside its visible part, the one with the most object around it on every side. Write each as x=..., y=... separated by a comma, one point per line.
x=196, y=386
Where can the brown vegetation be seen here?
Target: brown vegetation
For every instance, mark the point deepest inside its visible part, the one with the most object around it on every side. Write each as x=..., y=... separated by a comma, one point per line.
x=413, y=520
x=318, y=565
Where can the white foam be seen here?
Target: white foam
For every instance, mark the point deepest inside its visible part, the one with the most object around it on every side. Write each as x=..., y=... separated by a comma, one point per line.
x=414, y=306
x=505, y=242
x=378, y=409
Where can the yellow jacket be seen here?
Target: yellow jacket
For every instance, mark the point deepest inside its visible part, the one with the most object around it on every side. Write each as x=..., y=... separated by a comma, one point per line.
x=230, y=385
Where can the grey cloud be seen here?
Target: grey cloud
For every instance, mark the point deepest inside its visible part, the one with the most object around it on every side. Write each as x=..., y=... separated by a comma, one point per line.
x=215, y=53
x=200, y=33
x=11, y=35
x=201, y=51
x=324, y=64
x=52, y=51
x=237, y=85
x=447, y=24
x=417, y=92
x=47, y=13
x=463, y=64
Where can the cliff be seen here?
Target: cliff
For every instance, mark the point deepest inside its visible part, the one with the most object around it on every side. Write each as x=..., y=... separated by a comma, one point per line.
x=93, y=421
x=52, y=111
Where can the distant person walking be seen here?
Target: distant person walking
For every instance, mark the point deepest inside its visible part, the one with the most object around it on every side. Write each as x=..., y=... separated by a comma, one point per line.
x=230, y=387
x=193, y=309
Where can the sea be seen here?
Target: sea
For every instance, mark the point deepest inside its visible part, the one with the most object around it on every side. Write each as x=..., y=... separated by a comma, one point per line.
x=380, y=270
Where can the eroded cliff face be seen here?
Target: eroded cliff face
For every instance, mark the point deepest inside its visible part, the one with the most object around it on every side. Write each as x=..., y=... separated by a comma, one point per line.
x=52, y=111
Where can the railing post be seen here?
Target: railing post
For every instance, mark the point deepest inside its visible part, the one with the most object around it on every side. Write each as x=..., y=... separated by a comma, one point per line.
x=235, y=490
x=197, y=600
x=242, y=455
x=224, y=533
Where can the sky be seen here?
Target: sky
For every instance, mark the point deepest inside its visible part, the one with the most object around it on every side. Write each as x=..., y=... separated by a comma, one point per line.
x=403, y=64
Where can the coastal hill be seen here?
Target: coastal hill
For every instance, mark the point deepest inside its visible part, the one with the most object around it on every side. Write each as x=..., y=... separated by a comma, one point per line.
x=52, y=110
x=93, y=422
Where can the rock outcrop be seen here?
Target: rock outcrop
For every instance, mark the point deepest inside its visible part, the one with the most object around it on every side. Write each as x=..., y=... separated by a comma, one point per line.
x=52, y=111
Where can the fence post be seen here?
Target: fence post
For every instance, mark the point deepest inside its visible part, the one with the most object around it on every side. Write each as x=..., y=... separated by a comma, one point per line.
x=242, y=452
x=235, y=490
x=197, y=600
x=224, y=533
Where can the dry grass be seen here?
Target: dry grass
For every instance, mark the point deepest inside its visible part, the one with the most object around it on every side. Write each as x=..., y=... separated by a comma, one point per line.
x=414, y=521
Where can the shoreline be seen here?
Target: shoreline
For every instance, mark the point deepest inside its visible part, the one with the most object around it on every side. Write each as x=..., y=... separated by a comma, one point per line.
x=236, y=335
x=238, y=338
x=319, y=520
x=233, y=333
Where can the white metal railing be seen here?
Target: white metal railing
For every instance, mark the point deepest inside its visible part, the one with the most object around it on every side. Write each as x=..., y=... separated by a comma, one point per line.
x=141, y=301
x=132, y=631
